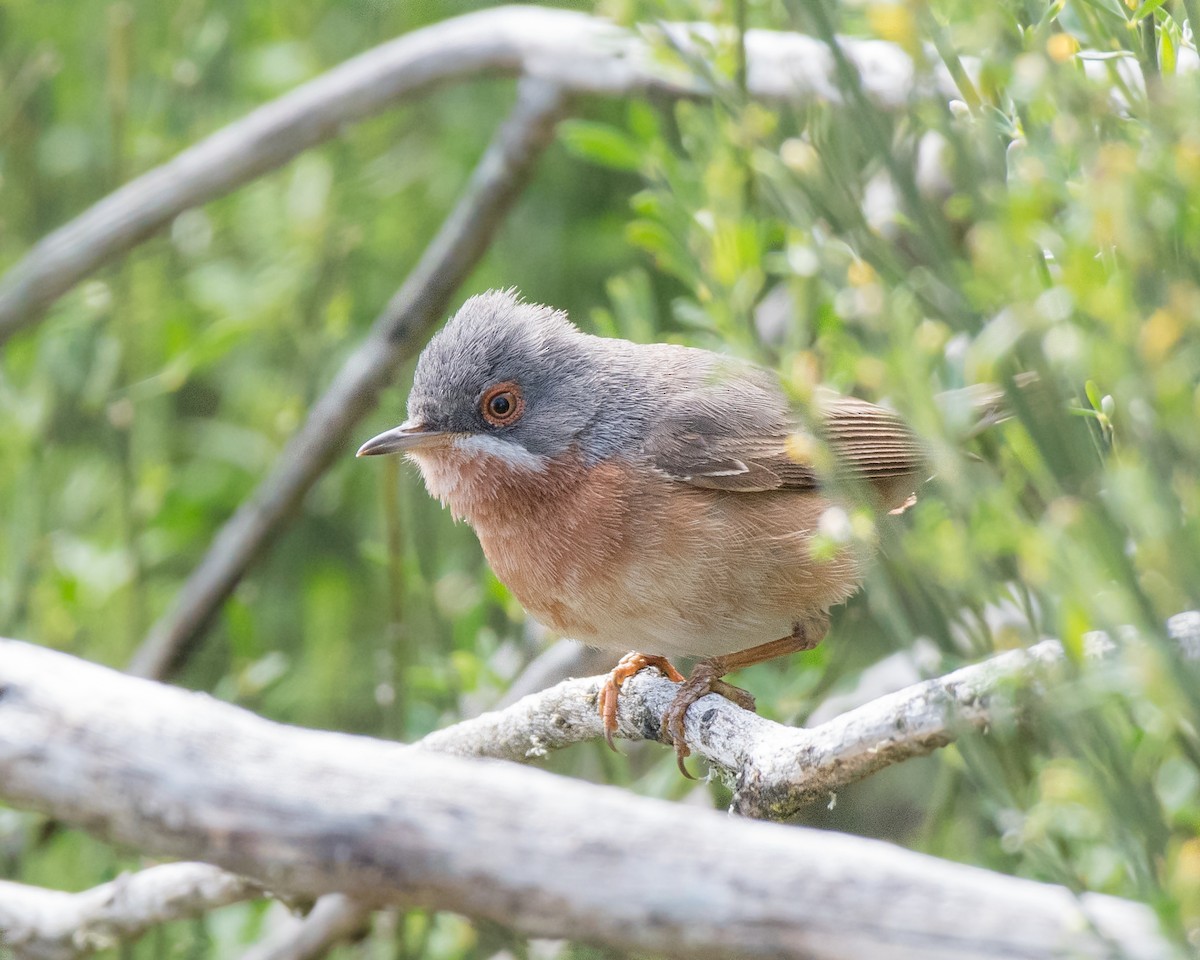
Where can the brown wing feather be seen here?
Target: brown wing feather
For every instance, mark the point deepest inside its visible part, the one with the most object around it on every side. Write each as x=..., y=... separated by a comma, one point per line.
x=740, y=437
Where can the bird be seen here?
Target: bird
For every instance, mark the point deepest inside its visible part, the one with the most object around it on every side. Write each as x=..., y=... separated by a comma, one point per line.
x=654, y=498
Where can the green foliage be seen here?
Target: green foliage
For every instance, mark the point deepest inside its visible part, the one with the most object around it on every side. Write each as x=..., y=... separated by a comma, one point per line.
x=1047, y=220
x=1041, y=223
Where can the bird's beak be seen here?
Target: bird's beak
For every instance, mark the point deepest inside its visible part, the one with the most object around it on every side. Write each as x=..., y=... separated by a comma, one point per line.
x=408, y=436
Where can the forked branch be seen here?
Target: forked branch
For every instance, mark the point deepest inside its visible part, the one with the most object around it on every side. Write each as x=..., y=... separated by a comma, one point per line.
x=575, y=52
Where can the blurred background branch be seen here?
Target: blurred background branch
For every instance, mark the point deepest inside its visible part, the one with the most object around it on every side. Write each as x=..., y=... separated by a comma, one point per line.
x=397, y=333
x=572, y=51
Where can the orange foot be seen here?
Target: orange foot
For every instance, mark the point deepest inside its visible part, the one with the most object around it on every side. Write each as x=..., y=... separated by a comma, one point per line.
x=626, y=667
x=705, y=679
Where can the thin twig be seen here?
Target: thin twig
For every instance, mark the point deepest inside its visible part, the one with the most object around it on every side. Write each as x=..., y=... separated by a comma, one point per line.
x=559, y=661
x=397, y=333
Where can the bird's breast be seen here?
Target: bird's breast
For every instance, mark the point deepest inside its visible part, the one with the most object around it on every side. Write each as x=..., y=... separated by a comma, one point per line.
x=618, y=556
x=552, y=535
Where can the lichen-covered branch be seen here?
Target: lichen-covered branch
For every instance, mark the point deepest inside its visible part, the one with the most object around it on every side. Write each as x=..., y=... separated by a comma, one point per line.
x=175, y=773
x=39, y=924
x=776, y=769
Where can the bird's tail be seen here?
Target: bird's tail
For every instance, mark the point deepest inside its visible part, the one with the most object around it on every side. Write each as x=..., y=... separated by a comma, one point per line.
x=982, y=405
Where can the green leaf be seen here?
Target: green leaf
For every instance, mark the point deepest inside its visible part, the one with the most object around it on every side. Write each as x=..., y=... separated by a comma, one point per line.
x=1166, y=53
x=601, y=144
x=644, y=121
x=667, y=251
x=1111, y=8
x=1146, y=9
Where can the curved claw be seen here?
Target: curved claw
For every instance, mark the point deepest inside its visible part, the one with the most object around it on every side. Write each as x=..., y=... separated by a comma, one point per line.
x=682, y=750
x=701, y=683
x=628, y=665
x=674, y=729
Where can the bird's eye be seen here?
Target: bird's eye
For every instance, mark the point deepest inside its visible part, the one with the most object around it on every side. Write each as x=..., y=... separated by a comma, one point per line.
x=502, y=404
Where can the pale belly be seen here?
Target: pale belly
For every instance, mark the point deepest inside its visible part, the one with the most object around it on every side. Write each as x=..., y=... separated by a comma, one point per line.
x=701, y=573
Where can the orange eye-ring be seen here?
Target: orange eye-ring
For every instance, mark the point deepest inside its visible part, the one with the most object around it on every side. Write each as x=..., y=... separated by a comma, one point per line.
x=502, y=404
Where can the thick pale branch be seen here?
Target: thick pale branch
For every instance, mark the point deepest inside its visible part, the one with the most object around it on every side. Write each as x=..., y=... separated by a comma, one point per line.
x=577, y=52
x=776, y=769
x=398, y=332
x=178, y=773
x=48, y=925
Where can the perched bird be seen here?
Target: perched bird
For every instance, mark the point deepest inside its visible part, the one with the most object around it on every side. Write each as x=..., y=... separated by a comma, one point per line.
x=646, y=496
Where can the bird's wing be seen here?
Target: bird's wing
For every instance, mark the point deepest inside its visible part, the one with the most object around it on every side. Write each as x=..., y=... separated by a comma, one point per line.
x=738, y=435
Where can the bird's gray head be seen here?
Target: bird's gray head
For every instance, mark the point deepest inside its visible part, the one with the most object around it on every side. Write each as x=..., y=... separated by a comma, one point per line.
x=504, y=378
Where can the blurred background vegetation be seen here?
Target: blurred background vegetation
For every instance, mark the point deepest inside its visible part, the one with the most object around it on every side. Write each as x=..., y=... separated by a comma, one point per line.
x=1046, y=220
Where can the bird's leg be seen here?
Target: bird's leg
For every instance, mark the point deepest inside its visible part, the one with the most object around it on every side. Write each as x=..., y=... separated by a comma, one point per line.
x=706, y=678
x=626, y=667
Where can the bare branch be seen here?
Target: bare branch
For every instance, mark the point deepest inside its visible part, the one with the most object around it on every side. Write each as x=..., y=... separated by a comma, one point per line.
x=776, y=769
x=559, y=661
x=398, y=332
x=178, y=773
x=40, y=924
x=577, y=52
x=334, y=918
x=48, y=925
